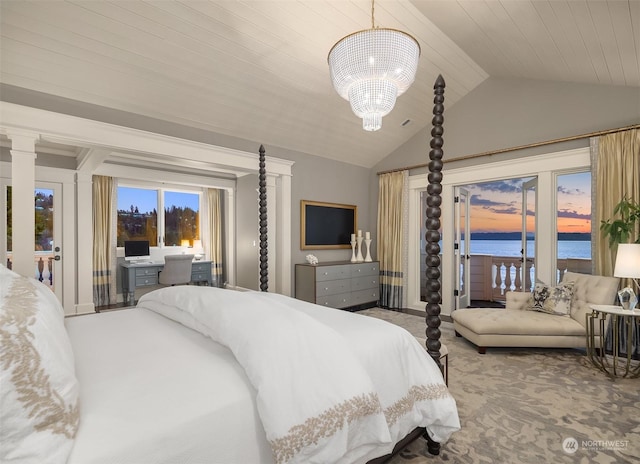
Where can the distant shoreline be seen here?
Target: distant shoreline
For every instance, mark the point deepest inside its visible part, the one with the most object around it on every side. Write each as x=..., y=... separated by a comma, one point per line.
x=565, y=236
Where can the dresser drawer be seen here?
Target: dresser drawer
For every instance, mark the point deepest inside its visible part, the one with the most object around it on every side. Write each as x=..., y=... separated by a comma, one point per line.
x=364, y=296
x=143, y=281
x=365, y=269
x=335, y=301
x=332, y=273
x=332, y=287
x=147, y=271
x=199, y=267
x=199, y=276
x=338, y=284
x=364, y=282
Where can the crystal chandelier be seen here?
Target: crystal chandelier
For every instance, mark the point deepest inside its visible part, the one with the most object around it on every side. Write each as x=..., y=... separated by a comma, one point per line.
x=371, y=68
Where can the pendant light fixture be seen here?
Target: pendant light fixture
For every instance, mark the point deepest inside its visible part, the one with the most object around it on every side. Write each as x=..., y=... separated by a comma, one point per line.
x=371, y=68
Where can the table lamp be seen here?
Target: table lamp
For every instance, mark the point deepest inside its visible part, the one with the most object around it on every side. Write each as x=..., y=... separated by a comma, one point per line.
x=628, y=265
x=197, y=249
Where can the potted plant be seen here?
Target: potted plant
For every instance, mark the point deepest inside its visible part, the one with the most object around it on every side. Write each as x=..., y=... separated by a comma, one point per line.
x=625, y=224
x=621, y=230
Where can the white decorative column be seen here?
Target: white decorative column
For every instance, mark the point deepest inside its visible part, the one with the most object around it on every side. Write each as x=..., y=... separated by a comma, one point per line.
x=283, y=216
x=272, y=233
x=230, y=233
x=23, y=181
x=84, y=250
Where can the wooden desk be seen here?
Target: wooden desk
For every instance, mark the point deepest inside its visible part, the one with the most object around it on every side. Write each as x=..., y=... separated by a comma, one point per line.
x=136, y=275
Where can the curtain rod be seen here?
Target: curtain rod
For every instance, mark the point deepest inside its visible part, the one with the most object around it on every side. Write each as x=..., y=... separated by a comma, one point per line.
x=521, y=147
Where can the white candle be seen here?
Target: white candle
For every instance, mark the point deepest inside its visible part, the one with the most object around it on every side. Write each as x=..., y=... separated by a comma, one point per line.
x=359, y=232
x=367, y=235
x=353, y=237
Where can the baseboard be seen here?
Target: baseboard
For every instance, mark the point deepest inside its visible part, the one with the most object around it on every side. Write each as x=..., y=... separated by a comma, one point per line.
x=85, y=308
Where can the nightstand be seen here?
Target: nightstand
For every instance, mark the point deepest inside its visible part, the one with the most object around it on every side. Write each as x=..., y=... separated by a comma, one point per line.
x=624, y=322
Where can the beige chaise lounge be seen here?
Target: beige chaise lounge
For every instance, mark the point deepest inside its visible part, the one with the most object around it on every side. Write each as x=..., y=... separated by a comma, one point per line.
x=516, y=326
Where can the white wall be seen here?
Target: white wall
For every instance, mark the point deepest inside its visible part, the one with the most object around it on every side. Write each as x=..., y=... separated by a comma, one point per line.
x=505, y=113
x=247, y=236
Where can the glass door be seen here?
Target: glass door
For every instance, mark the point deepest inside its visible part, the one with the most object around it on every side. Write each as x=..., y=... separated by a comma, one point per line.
x=529, y=201
x=47, y=266
x=462, y=247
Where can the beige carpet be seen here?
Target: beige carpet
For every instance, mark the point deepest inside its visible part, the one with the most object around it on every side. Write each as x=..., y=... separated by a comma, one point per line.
x=521, y=405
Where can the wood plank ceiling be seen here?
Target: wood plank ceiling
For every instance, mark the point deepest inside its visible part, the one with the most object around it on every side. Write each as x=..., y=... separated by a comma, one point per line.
x=258, y=70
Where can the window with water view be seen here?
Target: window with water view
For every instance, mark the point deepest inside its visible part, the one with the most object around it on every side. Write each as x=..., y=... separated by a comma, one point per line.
x=496, y=221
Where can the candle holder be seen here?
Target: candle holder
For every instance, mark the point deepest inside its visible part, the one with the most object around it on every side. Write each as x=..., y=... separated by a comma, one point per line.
x=353, y=251
x=359, y=259
x=367, y=243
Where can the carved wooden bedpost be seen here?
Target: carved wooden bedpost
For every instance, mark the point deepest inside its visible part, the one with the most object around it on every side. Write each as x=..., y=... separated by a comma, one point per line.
x=262, y=182
x=432, y=236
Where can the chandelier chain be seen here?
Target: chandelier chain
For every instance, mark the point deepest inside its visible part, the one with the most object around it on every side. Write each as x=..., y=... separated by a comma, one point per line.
x=373, y=26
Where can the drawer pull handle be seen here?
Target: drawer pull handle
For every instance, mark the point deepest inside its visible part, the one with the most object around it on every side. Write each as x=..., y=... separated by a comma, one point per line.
x=326, y=288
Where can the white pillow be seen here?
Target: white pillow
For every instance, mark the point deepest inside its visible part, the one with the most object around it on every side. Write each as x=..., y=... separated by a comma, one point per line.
x=39, y=396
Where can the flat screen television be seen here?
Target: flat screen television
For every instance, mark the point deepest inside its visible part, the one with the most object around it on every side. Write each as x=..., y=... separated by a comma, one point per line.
x=326, y=225
x=136, y=250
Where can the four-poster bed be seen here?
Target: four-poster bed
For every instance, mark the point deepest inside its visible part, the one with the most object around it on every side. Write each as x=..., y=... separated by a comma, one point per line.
x=432, y=238
x=205, y=374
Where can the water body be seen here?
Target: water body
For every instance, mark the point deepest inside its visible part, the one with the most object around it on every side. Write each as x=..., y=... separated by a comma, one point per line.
x=566, y=248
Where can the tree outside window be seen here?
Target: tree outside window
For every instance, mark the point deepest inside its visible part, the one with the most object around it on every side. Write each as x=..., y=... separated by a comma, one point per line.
x=138, y=217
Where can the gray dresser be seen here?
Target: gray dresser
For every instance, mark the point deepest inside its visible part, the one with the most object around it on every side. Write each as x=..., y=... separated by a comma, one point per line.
x=339, y=284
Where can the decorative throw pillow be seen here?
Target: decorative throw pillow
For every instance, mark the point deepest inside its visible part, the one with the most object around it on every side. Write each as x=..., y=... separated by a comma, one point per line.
x=539, y=296
x=39, y=394
x=552, y=300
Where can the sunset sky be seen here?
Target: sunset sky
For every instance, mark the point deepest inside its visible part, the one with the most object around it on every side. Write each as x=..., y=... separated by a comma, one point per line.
x=496, y=206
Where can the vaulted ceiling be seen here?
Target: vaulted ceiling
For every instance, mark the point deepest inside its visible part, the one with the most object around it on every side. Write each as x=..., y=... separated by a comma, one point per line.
x=257, y=69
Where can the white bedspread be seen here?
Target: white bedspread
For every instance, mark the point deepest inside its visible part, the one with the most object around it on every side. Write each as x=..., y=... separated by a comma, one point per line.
x=155, y=392
x=331, y=386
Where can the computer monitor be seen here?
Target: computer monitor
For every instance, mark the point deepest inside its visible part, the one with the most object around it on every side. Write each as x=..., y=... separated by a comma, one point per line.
x=136, y=250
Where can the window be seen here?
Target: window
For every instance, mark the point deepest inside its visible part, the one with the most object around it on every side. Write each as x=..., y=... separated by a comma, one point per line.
x=138, y=217
x=181, y=218
x=43, y=204
x=574, y=223
x=556, y=210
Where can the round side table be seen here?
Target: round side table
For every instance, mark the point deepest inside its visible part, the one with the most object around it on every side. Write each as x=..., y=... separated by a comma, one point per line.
x=616, y=364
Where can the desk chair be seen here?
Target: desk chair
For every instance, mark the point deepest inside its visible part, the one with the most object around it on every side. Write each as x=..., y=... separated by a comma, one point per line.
x=177, y=270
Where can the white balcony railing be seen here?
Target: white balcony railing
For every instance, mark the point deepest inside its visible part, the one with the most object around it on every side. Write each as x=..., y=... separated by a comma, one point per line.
x=505, y=275
x=493, y=276
x=42, y=266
